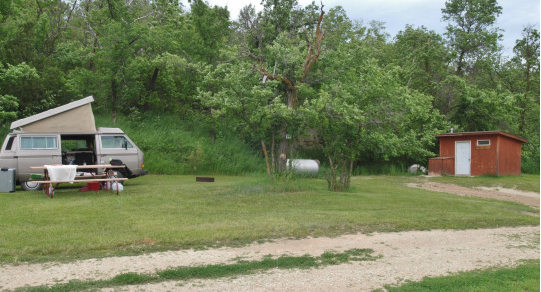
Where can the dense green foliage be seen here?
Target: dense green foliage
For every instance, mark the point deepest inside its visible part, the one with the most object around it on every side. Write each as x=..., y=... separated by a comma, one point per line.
x=271, y=75
x=165, y=212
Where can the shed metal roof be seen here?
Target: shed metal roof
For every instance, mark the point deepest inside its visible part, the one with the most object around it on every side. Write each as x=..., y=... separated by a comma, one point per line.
x=465, y=134
x=103, y=130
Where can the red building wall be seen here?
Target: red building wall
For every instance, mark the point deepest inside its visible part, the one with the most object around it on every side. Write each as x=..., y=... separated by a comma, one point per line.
x=484, y=158
x=501, y=157
x=441, y=165
x=509, y=156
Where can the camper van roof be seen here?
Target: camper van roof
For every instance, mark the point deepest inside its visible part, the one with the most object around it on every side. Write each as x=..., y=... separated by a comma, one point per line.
x=52, y=112
x=102, y=130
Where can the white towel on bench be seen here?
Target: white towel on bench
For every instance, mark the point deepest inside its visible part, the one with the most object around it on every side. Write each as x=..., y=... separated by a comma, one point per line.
x=61, y=172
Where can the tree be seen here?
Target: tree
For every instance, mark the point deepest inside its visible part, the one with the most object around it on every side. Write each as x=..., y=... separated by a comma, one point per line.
x=524, y=82
x=339, y=124
x=22, y=84
x=339, y=28
x=423, y=56
x=123, y=43
x=470, y=33
x=362, y=113
x=212, y=31
x=8, y=108
x=237, y=98
x=289, y=54
x=145, y=55
x=485, y=110
x=527, y=59
x=30, y=32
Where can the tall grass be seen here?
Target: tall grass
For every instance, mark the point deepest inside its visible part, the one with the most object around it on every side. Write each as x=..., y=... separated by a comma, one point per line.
x=175, y=146
x=530, y=165
x=380, y=169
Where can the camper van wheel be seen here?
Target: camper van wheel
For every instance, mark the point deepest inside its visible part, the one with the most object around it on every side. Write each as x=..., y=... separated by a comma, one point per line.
x=30, y=186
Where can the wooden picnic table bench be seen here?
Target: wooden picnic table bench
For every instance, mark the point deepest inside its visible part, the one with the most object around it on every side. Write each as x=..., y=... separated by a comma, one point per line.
x=108, y=176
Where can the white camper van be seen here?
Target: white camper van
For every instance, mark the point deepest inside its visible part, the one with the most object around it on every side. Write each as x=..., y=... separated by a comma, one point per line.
x=67, y=135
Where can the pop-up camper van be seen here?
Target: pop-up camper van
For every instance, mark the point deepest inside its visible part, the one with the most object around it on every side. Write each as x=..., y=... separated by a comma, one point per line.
x=67, y=135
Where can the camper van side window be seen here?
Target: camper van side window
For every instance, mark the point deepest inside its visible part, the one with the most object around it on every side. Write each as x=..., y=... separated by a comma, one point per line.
x=39, y=143
x=115, y=142
x=10, y=143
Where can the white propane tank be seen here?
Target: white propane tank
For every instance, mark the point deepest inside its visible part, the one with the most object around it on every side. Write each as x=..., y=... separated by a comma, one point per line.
x=304, y=165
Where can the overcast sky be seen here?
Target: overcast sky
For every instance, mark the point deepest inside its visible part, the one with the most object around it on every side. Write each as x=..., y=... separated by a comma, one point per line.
x=396, y=14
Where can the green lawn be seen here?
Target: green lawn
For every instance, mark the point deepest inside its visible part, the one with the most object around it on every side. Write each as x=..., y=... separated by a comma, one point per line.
x=522, y=278
x=169, y=212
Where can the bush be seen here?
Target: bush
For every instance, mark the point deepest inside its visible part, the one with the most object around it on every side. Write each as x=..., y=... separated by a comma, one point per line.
x=380, y=169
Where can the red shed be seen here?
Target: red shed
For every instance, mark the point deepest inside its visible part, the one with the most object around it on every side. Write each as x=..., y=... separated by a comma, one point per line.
x=477, y=153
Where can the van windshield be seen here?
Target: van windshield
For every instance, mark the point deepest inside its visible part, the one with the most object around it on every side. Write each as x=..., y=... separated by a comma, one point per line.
x=115, y=142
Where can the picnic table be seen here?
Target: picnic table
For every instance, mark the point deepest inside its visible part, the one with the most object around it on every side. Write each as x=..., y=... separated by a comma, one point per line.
x=108, y=176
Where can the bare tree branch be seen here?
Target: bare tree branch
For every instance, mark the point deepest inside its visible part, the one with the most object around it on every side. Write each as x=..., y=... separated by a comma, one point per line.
x=143, y=17
x=263, y=71
x=314, y=50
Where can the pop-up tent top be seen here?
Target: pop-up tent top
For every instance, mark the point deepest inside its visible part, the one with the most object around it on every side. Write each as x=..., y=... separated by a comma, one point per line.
x=74, y=117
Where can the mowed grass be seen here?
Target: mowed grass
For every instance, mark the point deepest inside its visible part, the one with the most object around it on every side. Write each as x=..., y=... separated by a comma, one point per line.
x=522, y=278
x=161, y=212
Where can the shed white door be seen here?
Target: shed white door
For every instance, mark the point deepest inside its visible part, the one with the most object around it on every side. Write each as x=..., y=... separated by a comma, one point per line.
x=463, y=158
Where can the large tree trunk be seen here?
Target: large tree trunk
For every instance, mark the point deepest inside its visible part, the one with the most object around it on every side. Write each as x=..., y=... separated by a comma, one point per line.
x=460, y=63
x=292, y=97
x=525, y=100
x=344, y=181
x=339, y=178
x=331, y=178
x=273, y=143
x=284, y=145
x=350, y=172
x=114, y=99
x=264, y=147
x=154, y=79
x=282, y=149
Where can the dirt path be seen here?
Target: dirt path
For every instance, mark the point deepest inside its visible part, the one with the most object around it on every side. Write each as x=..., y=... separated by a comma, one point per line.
x=404, y=256
x=498, y=193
